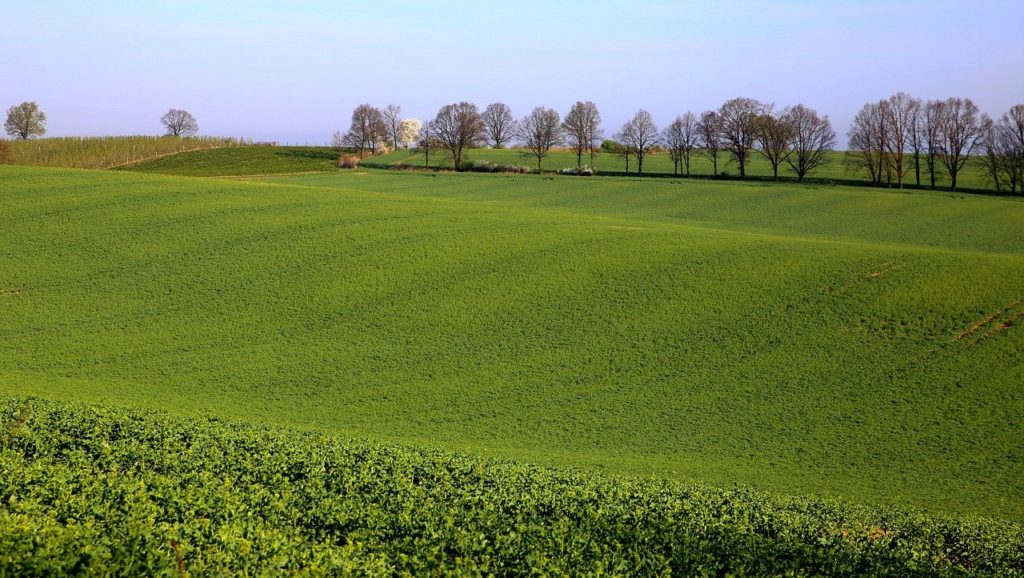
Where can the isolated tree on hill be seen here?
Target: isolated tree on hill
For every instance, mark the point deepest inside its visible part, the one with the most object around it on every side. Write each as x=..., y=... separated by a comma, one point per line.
x=539, y=131
x=409, y=131
x=709, y=128
x=774, y=136
x=25, y=121
x=961, y=131
x=739, y=118
x=639, y=135
x=499, y=124
x=681, y=138
x=368, y=129
x=898, y=112
x=392, y=120
x=179, y=123
x=812, y=139
x=867, y=138
x=456, y=128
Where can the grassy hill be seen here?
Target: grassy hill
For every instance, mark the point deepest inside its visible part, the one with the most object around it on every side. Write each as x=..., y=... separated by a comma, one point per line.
x=241, y=161
x=858, y=344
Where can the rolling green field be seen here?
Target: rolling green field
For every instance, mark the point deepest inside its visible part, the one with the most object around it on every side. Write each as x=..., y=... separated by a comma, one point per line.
x=843, y=342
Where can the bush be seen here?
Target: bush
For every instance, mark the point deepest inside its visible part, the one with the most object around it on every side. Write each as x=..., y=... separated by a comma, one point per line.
x=489, y=167
x=583, y=171
x=348, y=162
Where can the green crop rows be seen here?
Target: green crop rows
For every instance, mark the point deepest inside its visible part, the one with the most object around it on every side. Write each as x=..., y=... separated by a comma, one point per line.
x=98, y=491
x=857, y=345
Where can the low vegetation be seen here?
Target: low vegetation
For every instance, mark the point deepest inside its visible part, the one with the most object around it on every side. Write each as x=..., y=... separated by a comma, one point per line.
x=87, y=488
x=106, y=152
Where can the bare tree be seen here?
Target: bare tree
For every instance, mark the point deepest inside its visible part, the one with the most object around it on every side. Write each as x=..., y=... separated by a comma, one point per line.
x=867, y=143
x=639, y=135
x=898, y=113
x=931, y=131
x=539, y=131
x=917, y=139
x=774, y=136
x=812, y=140
x=1009, y=147
x=392, y=114
x=25, y=121
x=961, y=132
x=710, y=132
x=499, y=124
x=179, y=123
x=456, y=128
x=592, y=122
x=739, y=118
x=681, y=138
x=575, y=128
x=999, y=158
x=368, y=129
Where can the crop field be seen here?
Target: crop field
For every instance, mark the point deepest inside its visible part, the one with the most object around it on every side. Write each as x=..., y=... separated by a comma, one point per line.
x=107, y=152
x=848, y=343
x=242, y=161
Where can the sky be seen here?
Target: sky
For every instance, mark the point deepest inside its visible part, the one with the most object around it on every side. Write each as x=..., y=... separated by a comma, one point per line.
x=293, y=71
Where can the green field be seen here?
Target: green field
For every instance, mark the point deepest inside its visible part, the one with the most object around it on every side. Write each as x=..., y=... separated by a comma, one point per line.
x=843, y=342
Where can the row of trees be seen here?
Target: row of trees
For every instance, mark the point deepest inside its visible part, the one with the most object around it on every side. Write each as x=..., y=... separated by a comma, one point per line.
x=890, y=137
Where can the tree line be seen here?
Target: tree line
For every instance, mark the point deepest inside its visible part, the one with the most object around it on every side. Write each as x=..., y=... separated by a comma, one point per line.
x=886, y=139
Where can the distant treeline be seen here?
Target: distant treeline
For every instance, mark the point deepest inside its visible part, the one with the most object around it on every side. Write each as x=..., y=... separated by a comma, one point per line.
x=888, y=139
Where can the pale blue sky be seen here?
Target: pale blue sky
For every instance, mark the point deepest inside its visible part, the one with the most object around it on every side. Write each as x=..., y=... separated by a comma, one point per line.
x=293, y=71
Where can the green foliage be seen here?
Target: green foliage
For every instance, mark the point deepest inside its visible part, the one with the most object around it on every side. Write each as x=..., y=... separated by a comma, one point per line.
x=800, y=340
x=243, y=161
x=98, y=491
x=107, y=152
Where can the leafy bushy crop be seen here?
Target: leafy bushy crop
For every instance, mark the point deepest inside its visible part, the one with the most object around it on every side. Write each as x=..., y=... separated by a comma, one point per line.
x=106, y=491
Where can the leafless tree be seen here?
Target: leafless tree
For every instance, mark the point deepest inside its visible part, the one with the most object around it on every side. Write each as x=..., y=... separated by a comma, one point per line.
x=592, y=123
x=456, y=128
x=179, y=123
x=867, y=143
x=582, y=127
x=338, y=141
x=368, y=129
x=898, y=112
x=774, y=137
x=961, y=131
x=813, y=139
x=392, y=114
x=931, y=130
x=539, y=131
x=1009, y=144
x=499, y=124
x=917, y=140
x=710, y=132
x=1000, y=157
x=739, y=118
x=639, y=135
x=681, y=138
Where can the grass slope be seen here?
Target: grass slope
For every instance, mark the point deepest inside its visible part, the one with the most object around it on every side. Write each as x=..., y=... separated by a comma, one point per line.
x=637, y=326
x=242, y=161
x=97, y=491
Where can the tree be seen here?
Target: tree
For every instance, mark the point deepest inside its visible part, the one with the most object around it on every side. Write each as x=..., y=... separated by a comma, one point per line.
x=582, y=129
x=867, y=140
x=931, y=131
x=179, y=123
x=25, y=121
x=1005, y=149
x=540, y=131
x=739, y=118
x=368, y=129
x=681, y=138
x=499, y=124
x=812, y=139
x=961, y=131
x=392, y=114
x=898, y=113
x=774, y=135
x=409, y=131
x=638, y=135
x=709, y=129
x=456, y=128
x=917, y=139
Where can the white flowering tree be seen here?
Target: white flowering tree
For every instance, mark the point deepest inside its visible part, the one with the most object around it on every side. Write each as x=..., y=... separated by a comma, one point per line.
x=409, y=131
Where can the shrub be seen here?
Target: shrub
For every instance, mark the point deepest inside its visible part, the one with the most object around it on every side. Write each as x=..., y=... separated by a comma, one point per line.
x=489, y=167
x=348, y=162
x=583, y=171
